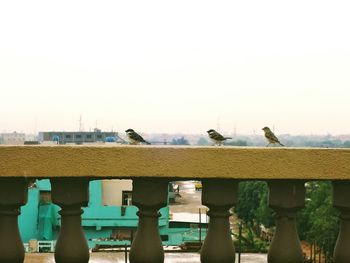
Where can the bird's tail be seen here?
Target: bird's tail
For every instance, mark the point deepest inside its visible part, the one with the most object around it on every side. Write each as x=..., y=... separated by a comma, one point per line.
x=281, y=144
x=147, y=142
x=227, y=138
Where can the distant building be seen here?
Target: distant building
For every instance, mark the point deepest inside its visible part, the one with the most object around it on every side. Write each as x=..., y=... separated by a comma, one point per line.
x=79, y=137
x=31, y=137
x=14, y=138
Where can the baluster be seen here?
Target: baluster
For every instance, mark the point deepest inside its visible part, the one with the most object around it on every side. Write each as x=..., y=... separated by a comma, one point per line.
x=341, y=200
x=286, y=198
x=149, y=195
x=71, y=194
x=13, y=194
x=219, y=195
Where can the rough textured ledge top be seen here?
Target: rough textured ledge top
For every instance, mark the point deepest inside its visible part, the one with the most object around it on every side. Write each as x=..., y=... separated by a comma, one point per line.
x=171, y=161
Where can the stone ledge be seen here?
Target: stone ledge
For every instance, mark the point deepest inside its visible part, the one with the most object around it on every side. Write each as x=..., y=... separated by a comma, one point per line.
x=176, y=162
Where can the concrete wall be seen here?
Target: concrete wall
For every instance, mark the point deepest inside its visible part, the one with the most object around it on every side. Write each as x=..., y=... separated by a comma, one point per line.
x=112, y=191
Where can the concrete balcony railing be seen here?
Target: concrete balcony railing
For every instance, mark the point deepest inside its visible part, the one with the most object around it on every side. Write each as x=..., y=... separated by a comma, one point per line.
x=151, y=168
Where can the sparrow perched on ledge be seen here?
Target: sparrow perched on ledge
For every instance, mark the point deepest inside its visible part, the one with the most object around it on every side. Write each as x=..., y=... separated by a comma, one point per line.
x=134, y=137
x=216, y=137
x=270, y=136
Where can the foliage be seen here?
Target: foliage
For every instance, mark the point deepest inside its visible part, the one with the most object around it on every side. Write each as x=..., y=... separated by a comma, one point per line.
x=237, y=143
x=318, y=221
x=250, y=242
x=264, y=214
x=346, y=144
x=252, y=207
x=180, y=141
x=202, y=141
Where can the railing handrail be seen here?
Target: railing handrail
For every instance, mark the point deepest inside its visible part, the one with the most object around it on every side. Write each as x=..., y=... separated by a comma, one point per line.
x=126, y=161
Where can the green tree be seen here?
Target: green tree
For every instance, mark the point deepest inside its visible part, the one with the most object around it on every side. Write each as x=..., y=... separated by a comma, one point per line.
x=250, y=242
x=264, y=214
x=252, y=207
x=318, y=221
x=346, y=144
x=237, y=143
x=202, y=141
x=180, y=141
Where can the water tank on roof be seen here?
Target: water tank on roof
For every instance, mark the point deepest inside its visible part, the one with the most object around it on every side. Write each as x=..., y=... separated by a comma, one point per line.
x=110, y=139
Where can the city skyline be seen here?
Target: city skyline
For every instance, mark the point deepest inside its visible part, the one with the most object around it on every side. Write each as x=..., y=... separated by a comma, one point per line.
x=181, y=67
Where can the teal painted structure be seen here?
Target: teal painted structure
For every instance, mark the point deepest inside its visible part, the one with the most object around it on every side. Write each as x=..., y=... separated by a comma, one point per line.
x=102, y=225
x=28, y=220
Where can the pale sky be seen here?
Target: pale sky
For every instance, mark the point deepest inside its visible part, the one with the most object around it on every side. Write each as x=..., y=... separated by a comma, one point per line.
x=175, y=66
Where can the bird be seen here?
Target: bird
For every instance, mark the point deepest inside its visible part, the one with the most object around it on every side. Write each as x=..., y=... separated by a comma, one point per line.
x=134, y=137
x=271, y=137
x=216, y=137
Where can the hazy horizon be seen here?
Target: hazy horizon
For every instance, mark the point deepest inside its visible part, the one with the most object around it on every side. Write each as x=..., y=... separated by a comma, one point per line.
x=204, y=133
x=175, y=67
